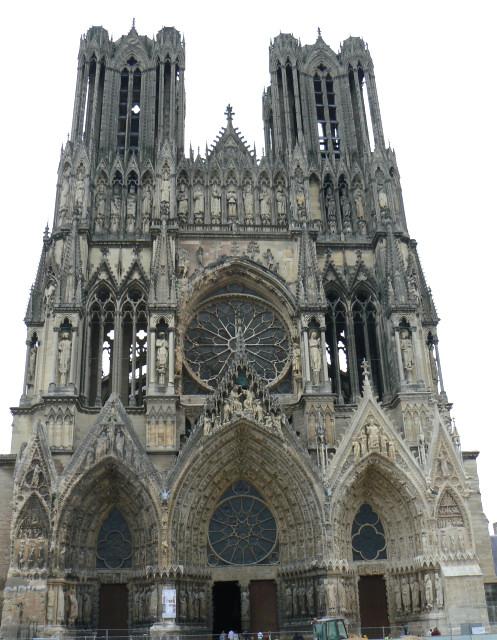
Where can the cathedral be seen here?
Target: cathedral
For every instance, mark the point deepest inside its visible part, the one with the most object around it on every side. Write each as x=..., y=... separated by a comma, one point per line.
x=233, y=413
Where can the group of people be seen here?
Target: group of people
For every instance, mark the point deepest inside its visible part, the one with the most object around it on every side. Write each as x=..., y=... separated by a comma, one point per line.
x=245, y=635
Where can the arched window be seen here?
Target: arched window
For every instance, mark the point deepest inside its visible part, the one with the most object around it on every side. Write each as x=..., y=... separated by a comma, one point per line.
x=368, y=536
x=101, y=346
x=365, y=337
x=128, y=128
x=114, y=546
x=134, y=348
x=326, y=113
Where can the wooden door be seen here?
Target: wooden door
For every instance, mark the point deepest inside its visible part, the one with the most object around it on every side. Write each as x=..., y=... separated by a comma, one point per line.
x=113, y=608
x=373, y=606
x=263, y=606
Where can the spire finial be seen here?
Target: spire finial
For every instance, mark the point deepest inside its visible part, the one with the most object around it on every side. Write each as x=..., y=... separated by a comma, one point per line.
x=229, y=113
x=319, y=32
x=133, y=24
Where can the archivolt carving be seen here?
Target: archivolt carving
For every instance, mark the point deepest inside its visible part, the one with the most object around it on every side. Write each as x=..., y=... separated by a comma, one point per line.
x=257, y=456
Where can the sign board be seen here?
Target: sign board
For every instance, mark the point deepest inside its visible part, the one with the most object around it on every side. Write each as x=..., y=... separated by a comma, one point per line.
x=168, y=604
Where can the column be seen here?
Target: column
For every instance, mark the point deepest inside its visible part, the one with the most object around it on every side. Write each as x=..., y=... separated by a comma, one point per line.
x=326, y=377
x=418, y=359
x=26, y=366
x=170, y=385
x=307, y=363
x=55, y=354
x=151, y=360
x=442, y=390
x=74, y=355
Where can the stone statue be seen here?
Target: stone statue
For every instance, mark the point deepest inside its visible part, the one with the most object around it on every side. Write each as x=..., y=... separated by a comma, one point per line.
x=198, y=204
x=415, y=593
x=215, y=203
x=269, y=259
x=439, y=594
x=321, y=599
x=265, y=205
x=245, y=600
x=115, y=208
x=86, y=608
x=406, y=595
x=433, y=366
x=248, y=203
x=147, y=202
x=73, y=607
x=162, y=357
x=235, y=399
x=346, y=220
x=382, y=198
x=331, y=597
x=428, y=592
x=165, y=194
x=79, y=191
x=300, y=201
x=296, y=362
x=231, y=200
x=373, y=432
x=288, y=600
x=64, y=349
x=398, y=597
x=35, y=478
x=183, y=263
x=200, y=257
x=131, y=210
x=50, y=606
x=280, y=203
x=33, y=352
x=64, y=192
x=331, y=209
x=407, y=354
x=310, y=598
x=359, y=202
x=315, y=357
x=182, y=199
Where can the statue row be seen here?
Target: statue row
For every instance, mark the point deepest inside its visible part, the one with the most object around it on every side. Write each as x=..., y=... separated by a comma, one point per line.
x=145, y=604
x=372, y=438
x=121, y=214
x=63, y=607
x=418, y=592
x=31, y=556
x=308, y=597
x=192, y=604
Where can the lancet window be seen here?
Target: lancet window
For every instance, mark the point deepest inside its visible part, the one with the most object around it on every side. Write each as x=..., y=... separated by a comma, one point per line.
x=351, y=337
x=129, y=107
x=326, y=113
x=117, y=352
x=368, y=536
x=114, y=544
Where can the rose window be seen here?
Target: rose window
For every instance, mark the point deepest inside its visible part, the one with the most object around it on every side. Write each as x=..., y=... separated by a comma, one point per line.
x=368, y=536
x=224, y=325
x=242, y=529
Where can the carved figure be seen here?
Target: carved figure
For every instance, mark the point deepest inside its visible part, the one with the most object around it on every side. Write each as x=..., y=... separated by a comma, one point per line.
x=50, y=606
x=310, y=598
x=359, y=202
x=268, y=256
x=315, y=356
x=373, y=432
x=248, y=203
x=198, y=204
x=162, y=357
x=415, y=593
x=345, y=205
x=64, y=349
x=131, y=209
x=407, y=354
x=398, y=597
x=215, y=203
x=321, y=599
x=265, y=205
x=300, y=201
x=73, y=607
x=280, y=203
x=182, y=199
x=64, y=192
x=165, y=193
x=428, y=592
x=331, y=209
x=406, y=595
x=183, y=263
x=235, y=399
x=382, y=198
x=79, y=191
x=245, y=604
x=439, y=594
x=231, y=200
x=115, y=208
x=33, y=352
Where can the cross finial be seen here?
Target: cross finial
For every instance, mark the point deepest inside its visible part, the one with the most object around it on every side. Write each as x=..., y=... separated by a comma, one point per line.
x=365, y=368
x=133, y=25
x=229, y=113
x=319, y=32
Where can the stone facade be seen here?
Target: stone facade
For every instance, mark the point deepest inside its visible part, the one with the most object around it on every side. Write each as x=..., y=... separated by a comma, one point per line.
x=232, y=369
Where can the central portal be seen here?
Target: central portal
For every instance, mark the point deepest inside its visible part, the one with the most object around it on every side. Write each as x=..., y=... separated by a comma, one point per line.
x=226, y=612
x=113, y=609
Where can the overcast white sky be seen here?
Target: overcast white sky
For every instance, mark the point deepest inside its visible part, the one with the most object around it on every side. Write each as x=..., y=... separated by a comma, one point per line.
x=434, y=69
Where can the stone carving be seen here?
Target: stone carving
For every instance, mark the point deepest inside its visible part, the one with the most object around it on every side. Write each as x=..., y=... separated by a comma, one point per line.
x=162, y=359
x=331, y=209
x=281, y=204
x=448, y=513
x=215, y=203
x=433, y=366
x=265, y=205
x=346, y=218
x=245, y=602
x=182, y=199
x=165, y=193
x=73, y=607
x=33, y=352
x=321, y=599
x=64, y=363
x=428, y=592
x=147, y=205
x=296, y=361
x=315, y=356
x=382, y=198
x=115, y=208
x=248, y=203
x=79, y=190
x=372, y=438
x=398, y=597
x=415, y=594
x=232, y=202
x=268, y=256
x=131, y=210
x=439, y=594
x=183, y=263
x=64, y=191
x=359, y=208
x=407, y=354
x=300, y=200
x=100, y=202
x=198, y=204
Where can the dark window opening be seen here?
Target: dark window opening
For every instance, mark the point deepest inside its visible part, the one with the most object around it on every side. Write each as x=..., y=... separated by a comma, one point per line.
x=326, y=114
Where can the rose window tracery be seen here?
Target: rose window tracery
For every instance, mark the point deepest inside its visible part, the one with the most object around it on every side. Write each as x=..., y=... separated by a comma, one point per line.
x=114, y=548
x=368, y=536
x=242, y=530
x=227, y=323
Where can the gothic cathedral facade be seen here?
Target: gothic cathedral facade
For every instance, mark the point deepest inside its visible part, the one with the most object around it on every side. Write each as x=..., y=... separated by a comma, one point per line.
x=233, y=391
